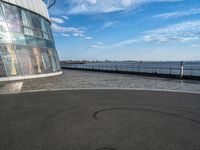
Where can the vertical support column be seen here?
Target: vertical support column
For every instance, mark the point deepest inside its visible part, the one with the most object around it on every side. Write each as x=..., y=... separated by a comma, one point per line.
x=181, y=70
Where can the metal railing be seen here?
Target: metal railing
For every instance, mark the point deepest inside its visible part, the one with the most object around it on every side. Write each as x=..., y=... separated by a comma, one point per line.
x=136, y=69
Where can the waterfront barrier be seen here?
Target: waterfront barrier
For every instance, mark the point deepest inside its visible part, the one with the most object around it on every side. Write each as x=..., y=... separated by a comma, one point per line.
x=169, y=72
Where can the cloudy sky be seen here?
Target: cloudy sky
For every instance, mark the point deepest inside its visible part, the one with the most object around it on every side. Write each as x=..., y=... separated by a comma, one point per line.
x=127, y=29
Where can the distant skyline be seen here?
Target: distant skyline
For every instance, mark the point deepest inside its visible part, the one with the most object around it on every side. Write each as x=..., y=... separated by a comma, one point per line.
x=146, y=30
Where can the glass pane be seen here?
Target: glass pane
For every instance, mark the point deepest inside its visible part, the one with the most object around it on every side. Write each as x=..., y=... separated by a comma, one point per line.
x=49, y=44
x=25, y=17
x=30, y=40
x=18, y=39
x=2, y=71
x=11, y=13
x=5, y=36
x=52, y=60
x=36, y=59
x=46, y=36
x=43, y=25
x=28, y=31
x=49, y=30
x=38, y=33
x=36, y=21
x=57, y=63
x=1, y=13
x=10, y=60
x=7, y=49
x=48, y=26
x=41, y=42
x=24, y=60
x=55, y=53
x=45, y=60
x=14, y=27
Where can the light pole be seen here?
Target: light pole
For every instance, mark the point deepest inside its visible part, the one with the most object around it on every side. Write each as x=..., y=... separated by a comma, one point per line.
x=50, y=3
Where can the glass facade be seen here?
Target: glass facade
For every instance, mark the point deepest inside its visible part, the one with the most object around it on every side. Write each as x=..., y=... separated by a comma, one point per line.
x=26, y=43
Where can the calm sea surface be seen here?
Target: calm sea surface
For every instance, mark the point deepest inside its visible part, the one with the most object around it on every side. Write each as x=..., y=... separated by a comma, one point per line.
x=190, y=68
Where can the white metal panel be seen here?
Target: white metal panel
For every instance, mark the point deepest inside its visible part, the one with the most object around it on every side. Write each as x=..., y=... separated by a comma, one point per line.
x=5, y=0
x=38, y=7
x=30, y=5
x=19, y=2
x=35, y=6
x=25, y=4
x=43, y=10
x=12, y=1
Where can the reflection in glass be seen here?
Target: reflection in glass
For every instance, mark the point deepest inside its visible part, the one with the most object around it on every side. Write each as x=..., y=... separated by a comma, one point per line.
x=41, y=42
x=38, y=33
x=1, y=13
x=14, y=28
x=43, y=25
x=52, y=59
x=31, y=49
x=4, y=34
x=26, y=21
x=10, y=60
x=28, y=31
x=11, y=13
x=2, y=71
x=24, y=60
x=18, y=38
x=25, y=17
x=36, y=59
x=31, y=40
x=45, y=60
x=36, y=21
x=58, y=63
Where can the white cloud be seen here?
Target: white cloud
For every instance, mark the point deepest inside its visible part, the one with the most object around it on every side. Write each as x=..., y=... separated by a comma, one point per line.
x=88, y=38
x=195, y=45
x=97, y=45
x=66, y=35
x=65, y=17
x=126, y=42
x=106, y=6
x=180, y=32
x=56, y=20
x=78, y=34
x=66, y=31
x=179, y=13
x=108, y=24
x=57, y=28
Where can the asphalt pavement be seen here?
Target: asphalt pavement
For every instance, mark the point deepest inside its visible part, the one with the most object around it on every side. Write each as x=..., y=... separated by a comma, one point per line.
x=100, y=120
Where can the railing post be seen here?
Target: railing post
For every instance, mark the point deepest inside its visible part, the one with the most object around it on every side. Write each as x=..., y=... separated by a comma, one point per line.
x=116, y=68
x=181, y=70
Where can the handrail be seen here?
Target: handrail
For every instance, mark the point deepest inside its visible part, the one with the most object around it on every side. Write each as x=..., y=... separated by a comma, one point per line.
x=136, y=68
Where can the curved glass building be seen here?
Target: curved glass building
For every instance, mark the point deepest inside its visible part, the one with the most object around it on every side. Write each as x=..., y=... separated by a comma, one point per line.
x=27, y=48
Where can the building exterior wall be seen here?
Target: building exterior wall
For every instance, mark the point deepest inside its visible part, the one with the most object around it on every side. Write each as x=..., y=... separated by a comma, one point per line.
x=37, y=6
x=27, y=46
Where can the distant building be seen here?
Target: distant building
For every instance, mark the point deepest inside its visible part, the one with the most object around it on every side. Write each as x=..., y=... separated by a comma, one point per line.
x=27, y=48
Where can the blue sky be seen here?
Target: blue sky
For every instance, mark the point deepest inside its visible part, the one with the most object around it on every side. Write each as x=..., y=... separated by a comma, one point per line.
x=127, y=29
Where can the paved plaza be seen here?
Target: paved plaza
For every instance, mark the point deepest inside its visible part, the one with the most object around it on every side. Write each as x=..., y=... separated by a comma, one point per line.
x=100, y=120
x=97, y=80
x=83, y=110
